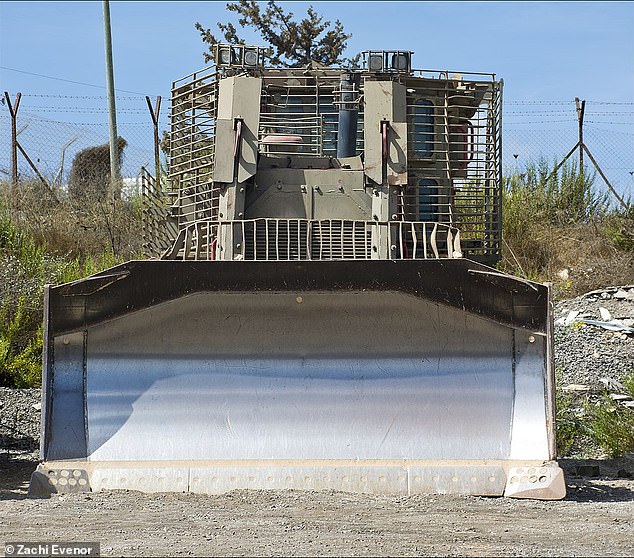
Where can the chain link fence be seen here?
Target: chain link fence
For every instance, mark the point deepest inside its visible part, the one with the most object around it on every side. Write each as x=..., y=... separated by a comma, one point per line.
x=548, y=130
x=53, y=130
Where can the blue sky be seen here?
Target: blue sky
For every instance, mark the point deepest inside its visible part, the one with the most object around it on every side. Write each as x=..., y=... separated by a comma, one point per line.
x=544, y=51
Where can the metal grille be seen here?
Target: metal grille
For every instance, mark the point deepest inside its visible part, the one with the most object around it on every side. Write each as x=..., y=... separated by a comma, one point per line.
x=193, y=119
x=306, y=129
x=454, y=159
x=335, y=239
x=291, y=100
x=158, y=229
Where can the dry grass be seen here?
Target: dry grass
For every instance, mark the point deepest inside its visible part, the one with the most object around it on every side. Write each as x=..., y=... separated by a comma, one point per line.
x=563, y=231
x=43, y=241
x=576, y=259
x=84, y=227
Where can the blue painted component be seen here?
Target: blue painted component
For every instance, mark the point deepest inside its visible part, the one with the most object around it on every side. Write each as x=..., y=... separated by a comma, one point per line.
x=428, y=200
x=423, y=128
x=348, y=116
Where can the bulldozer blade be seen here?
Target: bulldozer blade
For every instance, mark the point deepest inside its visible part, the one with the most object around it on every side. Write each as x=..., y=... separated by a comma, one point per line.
x=405, y=377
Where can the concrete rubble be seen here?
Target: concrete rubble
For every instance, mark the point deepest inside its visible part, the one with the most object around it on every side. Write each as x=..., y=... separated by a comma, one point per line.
x=594, y=344
x=623, y=324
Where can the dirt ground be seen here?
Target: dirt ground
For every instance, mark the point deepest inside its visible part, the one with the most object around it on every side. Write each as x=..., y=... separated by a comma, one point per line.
x=595, y=519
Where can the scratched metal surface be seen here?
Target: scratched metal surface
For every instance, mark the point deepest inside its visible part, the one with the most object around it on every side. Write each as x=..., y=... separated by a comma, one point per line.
x=314, y=375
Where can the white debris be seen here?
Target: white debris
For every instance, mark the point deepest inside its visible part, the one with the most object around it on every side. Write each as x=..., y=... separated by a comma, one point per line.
x=571, y=317
x=612, y=384
x=580, y=388
x=605, y=314
x=624, y=295
x=563, y=274
x=620, y=397
x=614, y=325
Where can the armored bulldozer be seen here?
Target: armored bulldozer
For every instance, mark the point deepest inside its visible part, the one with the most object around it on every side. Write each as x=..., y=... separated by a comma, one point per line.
x=321, y=310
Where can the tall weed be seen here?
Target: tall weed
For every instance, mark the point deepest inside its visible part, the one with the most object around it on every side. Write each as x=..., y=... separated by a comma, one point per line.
x=611, y=426
x=619, y=227
x=568, y=426
x=20, y=348
x=537, y=195
x=27, y=263
x=559, y=227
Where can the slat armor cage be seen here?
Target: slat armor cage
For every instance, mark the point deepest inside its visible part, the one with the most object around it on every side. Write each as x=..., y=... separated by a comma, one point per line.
x=443, y=201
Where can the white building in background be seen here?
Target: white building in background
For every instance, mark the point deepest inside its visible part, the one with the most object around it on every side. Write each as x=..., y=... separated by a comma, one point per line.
x=131, y=187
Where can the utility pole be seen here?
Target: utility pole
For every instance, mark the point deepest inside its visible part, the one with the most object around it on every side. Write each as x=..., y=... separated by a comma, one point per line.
x=115, y=179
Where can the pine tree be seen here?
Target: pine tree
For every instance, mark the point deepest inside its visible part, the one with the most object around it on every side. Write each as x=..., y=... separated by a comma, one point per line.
x=292, y=42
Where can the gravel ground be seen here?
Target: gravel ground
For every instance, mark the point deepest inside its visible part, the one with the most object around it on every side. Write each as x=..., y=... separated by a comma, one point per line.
x=594, y=520
x=585, y=353
x=19, y=423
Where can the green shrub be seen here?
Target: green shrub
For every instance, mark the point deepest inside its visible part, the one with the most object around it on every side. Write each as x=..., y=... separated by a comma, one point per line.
x=561, y=228
x=24, y=368
x=26, y=265
x=18, y=243
x=541, y=197
x=568, y=426
x=20, y=344
x=619, y=228
x=611, y=426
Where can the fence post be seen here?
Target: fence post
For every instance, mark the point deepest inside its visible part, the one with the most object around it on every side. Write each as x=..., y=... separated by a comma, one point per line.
x=13, y=112
x=154, y=113
x=581, y=108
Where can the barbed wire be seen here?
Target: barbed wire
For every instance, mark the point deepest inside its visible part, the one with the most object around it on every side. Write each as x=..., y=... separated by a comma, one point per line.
x=620, y=123
x=547, y=131
x=608, y=103
x=622, y=132
x=535, y=112
x=525, y=102
x=86, y=110
x=103, y=97
x=163, y=118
